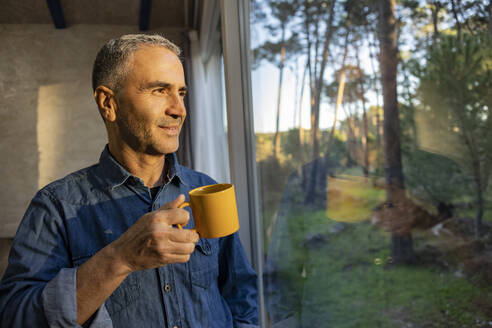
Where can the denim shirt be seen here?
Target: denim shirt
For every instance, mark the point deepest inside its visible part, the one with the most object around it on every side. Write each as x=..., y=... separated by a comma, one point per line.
x=71, y=219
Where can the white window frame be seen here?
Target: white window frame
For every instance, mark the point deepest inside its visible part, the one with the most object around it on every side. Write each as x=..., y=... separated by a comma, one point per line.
x=242, y=155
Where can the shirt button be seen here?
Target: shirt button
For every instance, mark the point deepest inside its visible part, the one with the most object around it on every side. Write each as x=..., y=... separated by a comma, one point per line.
x=167, y=288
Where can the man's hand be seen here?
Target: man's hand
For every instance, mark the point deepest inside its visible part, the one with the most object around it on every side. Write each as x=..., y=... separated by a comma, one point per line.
x=150, y=243
x=153, y=241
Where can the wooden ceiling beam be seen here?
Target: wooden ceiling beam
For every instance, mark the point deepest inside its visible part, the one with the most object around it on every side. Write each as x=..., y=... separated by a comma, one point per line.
x=56, y=13
x=144, y=19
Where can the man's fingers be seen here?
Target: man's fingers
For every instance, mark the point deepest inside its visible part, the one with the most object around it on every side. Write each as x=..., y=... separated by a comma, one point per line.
x=181, y=248
x=164, y=238
x=175, y=258
x=174, y=203
x=184, y=236
x=171, y=217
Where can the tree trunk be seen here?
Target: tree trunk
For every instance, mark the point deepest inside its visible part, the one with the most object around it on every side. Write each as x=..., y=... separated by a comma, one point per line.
x=341, y=87
x=301, y=131
x=479, y=176
x=365, y=142
x=350, y=138
x=479, y=186
x=319, y=81
x=296, y=96
x=276, y=138
x=378, y=104
x=316, y=90
x=351, y=123
x=435, y=20
x=357, y=137
x=479, y=212
x=458, y=24
x=309, y=65
x=401, y=245
x=365, y=135
x=379, y=129
x=391, y=127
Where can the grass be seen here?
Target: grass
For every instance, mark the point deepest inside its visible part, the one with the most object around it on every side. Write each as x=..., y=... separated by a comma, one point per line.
x=348, y=282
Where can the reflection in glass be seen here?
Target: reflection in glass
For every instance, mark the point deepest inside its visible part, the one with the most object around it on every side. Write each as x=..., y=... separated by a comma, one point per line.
x=373, y=140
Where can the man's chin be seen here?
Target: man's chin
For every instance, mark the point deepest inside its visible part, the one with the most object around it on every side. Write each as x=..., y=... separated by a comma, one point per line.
x=166, y=149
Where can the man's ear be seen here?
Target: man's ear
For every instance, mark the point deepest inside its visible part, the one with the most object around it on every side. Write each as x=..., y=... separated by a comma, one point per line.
x=106, y=101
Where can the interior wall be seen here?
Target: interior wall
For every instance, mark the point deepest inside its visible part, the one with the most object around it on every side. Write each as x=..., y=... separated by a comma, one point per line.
x=49, y=124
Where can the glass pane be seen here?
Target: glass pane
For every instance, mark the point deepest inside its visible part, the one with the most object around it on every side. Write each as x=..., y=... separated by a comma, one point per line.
x=373, y=139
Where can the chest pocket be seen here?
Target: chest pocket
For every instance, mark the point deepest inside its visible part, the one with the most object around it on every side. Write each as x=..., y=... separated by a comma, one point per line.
x=204, y=263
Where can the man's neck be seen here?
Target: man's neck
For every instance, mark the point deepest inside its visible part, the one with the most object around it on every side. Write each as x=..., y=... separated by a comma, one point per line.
x=149, y=168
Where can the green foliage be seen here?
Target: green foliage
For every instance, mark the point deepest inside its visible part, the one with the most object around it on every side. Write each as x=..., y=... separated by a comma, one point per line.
x=456, y=84
x=434, y=178
x=291, y=146
x=456, y=96
x=338, y=148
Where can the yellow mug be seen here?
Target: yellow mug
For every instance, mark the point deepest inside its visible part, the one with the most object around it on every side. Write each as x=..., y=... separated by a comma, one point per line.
x=214, y=210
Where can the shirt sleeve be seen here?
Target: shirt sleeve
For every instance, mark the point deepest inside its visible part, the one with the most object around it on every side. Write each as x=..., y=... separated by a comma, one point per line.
x=238, y=282
x=38, y=288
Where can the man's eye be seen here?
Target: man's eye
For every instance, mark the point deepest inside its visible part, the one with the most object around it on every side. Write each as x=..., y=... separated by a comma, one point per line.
x=182, y=94
x=159, y=90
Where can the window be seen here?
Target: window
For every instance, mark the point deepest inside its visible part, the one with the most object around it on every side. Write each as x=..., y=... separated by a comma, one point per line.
x=373, y=135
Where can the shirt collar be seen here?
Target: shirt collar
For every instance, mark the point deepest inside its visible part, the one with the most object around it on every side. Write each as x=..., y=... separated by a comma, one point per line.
x=114, y=174
x=174, y=168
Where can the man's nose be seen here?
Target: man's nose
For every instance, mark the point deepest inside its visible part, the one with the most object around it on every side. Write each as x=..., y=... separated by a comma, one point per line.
x=176, y=107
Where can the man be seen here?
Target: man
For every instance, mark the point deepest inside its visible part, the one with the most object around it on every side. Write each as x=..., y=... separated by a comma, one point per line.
x=100, y=247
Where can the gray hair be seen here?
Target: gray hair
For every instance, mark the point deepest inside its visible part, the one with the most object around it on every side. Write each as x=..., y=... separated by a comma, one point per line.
x=111, y=64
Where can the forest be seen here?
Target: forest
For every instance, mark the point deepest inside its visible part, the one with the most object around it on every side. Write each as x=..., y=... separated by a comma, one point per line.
x=379, y=213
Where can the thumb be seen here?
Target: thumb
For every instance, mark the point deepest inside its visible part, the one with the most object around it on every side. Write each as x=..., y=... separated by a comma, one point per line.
x=174, y=203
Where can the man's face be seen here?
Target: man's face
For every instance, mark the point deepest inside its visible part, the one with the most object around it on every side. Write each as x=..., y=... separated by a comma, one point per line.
x=151, y=109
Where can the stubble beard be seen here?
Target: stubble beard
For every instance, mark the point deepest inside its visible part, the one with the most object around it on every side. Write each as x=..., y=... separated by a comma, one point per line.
x=139, y=137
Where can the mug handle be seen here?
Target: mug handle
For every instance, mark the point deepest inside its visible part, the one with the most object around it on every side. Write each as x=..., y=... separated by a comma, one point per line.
x=181, y=206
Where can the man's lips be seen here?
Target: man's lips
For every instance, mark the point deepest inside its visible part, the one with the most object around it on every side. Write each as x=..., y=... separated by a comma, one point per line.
x=170, y=129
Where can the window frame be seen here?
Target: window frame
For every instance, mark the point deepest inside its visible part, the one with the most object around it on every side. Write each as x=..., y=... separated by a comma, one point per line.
x=235, y=28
